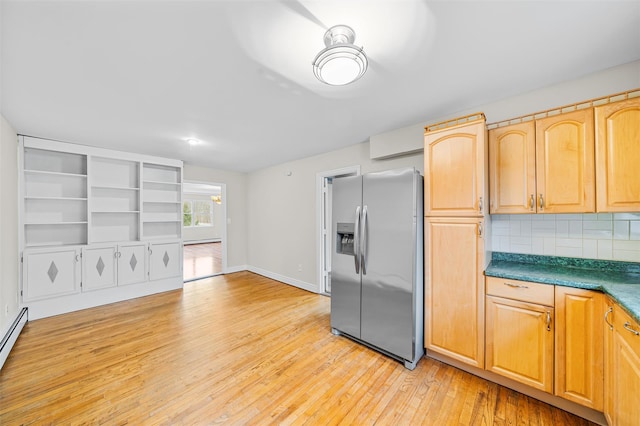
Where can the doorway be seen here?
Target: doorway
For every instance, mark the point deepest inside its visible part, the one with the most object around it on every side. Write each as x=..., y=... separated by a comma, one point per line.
x=324, y=181
x=204, y=229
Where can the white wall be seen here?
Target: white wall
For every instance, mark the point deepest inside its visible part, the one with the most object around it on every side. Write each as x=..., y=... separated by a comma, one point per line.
x=236, y=204
x=282, y=211
x=204, y=233
x=604, y=83
x=9, y=288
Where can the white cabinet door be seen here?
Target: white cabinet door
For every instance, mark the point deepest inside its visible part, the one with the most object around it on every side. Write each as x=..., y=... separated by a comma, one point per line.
x=50, y=273
x=165, y=260
x=132, y=265
x=98, y=267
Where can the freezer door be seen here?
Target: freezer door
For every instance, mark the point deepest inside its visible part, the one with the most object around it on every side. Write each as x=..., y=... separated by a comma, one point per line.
x=345, y=280
x=389, y=249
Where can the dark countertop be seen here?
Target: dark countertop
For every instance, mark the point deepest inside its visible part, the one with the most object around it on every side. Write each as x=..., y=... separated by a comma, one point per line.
x=620, y=280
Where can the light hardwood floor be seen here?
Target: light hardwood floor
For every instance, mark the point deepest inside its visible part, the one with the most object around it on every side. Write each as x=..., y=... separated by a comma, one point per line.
x=235, y=349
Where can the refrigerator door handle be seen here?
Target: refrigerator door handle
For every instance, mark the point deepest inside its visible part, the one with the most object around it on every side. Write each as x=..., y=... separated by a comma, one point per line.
x=356, y=241
x=363, y=246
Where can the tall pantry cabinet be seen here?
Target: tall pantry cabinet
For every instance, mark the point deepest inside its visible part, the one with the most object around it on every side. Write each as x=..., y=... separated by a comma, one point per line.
x=97, y=226
x=455, y=156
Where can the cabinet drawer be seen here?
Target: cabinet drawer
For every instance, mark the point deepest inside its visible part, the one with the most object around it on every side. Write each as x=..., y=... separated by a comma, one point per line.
x=627, y=328
x=525, y=291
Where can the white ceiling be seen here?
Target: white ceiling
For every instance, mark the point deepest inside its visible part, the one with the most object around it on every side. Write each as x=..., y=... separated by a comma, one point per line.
x=144, y=76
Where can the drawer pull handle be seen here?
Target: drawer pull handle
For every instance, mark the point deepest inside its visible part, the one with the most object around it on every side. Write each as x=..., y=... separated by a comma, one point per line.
x=606, y=317
x=627, y=326
x=532, y=202
x=548, y=322
x=515, y=285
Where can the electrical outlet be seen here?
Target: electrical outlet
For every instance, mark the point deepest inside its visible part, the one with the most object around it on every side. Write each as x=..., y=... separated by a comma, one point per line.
x=300, y=267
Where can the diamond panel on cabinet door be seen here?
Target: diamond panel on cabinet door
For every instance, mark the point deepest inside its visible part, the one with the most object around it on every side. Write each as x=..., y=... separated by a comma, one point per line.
x=133, y=262
x=100, y=266
x=52, y=272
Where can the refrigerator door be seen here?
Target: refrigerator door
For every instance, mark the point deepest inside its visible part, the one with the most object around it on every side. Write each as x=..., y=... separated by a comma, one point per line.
x=345, y=267
x=389, y=256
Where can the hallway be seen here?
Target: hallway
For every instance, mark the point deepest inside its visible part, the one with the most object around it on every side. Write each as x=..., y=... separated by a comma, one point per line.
x=202, y=260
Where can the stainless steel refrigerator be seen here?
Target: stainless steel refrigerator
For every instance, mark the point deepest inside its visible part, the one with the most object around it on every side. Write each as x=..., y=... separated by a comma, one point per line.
x=377, y=262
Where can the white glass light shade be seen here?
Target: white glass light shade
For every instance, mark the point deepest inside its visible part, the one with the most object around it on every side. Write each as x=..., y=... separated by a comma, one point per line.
x=340, y=62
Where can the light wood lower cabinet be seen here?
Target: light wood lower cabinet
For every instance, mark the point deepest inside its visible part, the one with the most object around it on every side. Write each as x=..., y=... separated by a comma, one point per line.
x=519, y=335
x=622, y=369
x=547, y=337
x=579, y=375
x=608, y=360
x=454, y=288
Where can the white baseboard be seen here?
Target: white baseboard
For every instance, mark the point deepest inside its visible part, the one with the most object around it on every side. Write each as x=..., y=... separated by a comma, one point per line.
x=7, y=342
x=287, y=280
x=238, y=268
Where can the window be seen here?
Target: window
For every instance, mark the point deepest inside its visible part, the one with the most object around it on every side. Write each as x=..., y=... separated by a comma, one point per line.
x=197, y=213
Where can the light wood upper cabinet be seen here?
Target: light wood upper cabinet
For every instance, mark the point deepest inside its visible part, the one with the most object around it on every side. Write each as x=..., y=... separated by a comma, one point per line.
x=546, y=166
x=623, y=399
x=520, y=341
x=618, y=156
x=565, y=173
x=454, y=172
x=579, y=346
x=512, y=168
x=454, y=288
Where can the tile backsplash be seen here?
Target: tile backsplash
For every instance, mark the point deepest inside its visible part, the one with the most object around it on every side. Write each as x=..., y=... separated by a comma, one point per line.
x=611, y=236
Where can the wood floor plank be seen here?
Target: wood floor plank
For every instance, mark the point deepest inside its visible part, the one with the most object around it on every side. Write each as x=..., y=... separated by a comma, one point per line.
x=235, y=349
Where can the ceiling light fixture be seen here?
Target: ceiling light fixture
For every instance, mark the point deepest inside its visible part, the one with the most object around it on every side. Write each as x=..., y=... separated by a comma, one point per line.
x=193, y=142
x=340, y=62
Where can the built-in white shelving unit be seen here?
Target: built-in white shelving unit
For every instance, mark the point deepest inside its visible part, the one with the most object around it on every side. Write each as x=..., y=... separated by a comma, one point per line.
x=96, y=226
x=55, y=198
x=114, y=200
x=162, y=201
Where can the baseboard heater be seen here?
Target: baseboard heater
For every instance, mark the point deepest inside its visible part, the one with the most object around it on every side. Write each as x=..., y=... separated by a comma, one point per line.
x=12, y=335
